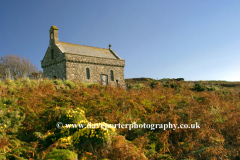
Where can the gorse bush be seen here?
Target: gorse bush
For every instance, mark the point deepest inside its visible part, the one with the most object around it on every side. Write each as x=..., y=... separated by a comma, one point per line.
x=136, y=86
x=153, y=84
x=58, y=82
x=198, y=87
x=11, y=119
x=70, y=84
x=179, y=79
x=29, y=111
x=89, y=138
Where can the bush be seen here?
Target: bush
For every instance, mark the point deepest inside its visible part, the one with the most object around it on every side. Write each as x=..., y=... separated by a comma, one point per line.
x=94, y=137
x=198, y=87
x=73, y=116
x=70, y=84
x=174, y=85
x=89, y=138
x=59, y=154
x=210, y=89
x=10, y=121
x=136, y=86
x=153, y=84
x=58, y=82
x=179, y=79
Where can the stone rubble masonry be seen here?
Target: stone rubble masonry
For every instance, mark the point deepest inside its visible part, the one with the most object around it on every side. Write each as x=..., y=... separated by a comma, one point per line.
x=68, y=66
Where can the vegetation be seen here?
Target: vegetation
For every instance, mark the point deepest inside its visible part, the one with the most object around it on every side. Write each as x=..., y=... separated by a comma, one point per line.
x=30, y=110
x=14, y=67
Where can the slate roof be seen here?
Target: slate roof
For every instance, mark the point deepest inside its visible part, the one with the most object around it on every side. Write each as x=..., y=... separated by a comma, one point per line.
x=87, y=50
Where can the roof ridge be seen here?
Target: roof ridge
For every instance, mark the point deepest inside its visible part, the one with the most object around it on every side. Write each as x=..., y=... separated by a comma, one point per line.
x=114, y=53
x=83, y=45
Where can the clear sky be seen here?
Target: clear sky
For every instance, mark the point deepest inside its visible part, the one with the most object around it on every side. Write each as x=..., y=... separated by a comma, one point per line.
x=190, y=39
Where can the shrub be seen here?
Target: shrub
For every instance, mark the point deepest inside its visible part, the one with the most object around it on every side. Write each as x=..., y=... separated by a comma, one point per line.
x=9, y=82
x=70, y=84
x=153, y=84
x=92, y=85
x=136, y=86
x=166, y=85
x=174, y=85
x=58, y=82
x=210, y=89
x=198, y=87
x=123, y=149
x=72, y=116
x=94, y=137
x=179, y=79
x=10, y=121
x=59, y=154
x=90, y=136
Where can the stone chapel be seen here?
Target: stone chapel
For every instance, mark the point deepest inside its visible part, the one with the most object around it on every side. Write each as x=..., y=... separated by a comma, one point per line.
x=88, y=64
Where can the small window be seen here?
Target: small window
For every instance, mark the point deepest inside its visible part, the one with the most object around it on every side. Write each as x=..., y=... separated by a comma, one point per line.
x=51, y=36
x=52, y=54
x=88, y=73
x=117, y=82
x=111, y=73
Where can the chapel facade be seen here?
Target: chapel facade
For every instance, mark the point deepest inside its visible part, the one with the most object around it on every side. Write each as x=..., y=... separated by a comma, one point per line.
x=87, y=64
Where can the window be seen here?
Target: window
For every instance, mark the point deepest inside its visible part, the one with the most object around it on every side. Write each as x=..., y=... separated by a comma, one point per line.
x=117, y=82
x=51, y=35
x=52, y=53
x=111, y=73
x=88, y=73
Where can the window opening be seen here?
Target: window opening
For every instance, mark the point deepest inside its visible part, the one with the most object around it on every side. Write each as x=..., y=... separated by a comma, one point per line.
x=111, y=73
x=88, y=73
x=52, y=54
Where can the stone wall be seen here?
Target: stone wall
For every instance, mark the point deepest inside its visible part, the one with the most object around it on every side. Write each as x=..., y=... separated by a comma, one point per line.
x=58, y=70
x=57, y=54
x=77, y=71
x=56, y=66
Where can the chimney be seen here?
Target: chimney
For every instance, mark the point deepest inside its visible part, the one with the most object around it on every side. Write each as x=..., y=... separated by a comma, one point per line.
x=53, y=35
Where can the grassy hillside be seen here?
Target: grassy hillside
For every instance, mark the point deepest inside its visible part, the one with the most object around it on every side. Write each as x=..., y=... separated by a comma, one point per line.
x=30, y=109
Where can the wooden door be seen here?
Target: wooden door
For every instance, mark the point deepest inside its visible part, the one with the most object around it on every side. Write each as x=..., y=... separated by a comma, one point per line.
x=104, y=79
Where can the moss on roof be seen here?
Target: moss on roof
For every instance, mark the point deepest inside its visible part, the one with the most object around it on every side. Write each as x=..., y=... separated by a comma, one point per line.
x=86, y=50
x=54, y=27
x=71, y=44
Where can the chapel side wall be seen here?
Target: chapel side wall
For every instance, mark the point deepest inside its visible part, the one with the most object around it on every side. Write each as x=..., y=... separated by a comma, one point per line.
x=76, y=69
x=120, y=76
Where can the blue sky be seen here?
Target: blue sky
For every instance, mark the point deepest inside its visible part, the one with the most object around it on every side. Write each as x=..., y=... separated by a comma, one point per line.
x=190, y=39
